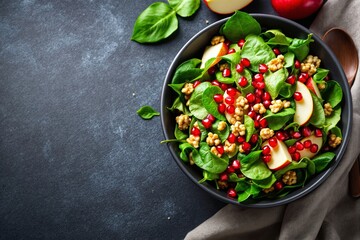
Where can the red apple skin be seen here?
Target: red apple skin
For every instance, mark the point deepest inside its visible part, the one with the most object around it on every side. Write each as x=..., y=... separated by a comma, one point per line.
x=296, y=9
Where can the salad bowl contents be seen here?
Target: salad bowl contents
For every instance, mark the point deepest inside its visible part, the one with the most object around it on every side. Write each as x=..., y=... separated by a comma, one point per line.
x=260, y=114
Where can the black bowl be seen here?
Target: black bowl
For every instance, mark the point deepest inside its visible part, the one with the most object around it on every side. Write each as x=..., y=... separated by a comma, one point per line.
x=194, y=48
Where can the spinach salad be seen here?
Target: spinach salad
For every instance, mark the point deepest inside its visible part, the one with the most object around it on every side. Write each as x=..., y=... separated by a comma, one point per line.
x=258, y=114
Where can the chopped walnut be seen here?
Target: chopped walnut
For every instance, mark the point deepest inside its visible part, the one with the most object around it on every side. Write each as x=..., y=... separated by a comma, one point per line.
x=241, y=150
x=310, y=64
x=321, y=86
x=222, y=184
x=276, y=63
x=286, y=104
x=214, y=151
x=334, y=141
x=188, y=89
x=229, y=147
x=242, y=102
x=289, y=178
x=328, y=109
x=217, y=39
x=193, y=140
x=183, y=121
x=268, y=190
x=266, y=133
x=223, y=66
x=221, y=126
x=276, y=105
x=259, y=108
x=238, y=129
x=213, y=139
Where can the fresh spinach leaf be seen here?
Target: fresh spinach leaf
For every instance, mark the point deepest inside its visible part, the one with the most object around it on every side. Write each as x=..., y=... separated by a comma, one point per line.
x=332, y=120
x=252, y=190
x=179, y=135
x=180, y=106
x=224, y=134
x=253, y=167
x=209, y=103
x=276, y=37
x=277, y=120
x=318, y=117
x=322, y=161
x=210, y=162
x=320, y=74
x=250, y=127
x=265, y=183
x=274, y=81
x=289, y=58
x=332, y=93
x=337, y=131
x=185, y=8
x=177, y=87
x=147, y=112
x=293, y=165
x=300, y=47
x=185, y=149
x=196, y=104
x=287, y=90
x=207, y=176
x=187, y=71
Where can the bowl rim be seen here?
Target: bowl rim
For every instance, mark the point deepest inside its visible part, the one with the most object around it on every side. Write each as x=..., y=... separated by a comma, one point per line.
x=319, y=178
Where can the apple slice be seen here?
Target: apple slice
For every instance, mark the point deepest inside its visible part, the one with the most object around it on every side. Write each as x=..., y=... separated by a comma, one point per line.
x=306, y=151
x=226, y=6
x=304, y=107
x=215, y=51
x=280, y=156
x=312, y=86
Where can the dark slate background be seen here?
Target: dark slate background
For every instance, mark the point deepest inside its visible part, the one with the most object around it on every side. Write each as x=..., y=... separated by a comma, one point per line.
x=76, y=162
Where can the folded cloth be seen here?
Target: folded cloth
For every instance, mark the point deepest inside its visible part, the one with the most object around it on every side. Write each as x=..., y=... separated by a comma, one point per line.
x=329, y=212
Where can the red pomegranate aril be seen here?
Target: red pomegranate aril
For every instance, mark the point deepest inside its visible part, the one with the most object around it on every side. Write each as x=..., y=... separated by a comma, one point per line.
x=231, y=50
x=258, y=77
x=250, y=97
x=291, y=79
x=220, y=149
x=263, y=68
x=314, y=148
x=307, y=143
x=303, y=77
x=297, y=64
x=215, y=83
x=266, y=150
x=298, y=96
x=245, y=62
x=241, y=43
x=263, y=123
x=296, y=135
x=273, y=142
x=195, y=131
x=266, y=96
x=224, y=86
x=229, y=100
x=223, y=177
x=222, y=108
x=259, y=92
x=256, y=124
x=196, y=83
x=207, y=123
x=318, y=133
x=254, y=138
x=246, y=146
x=258, y=100
x=306, y=131
x=258, y=117
x=296, y=156
x=279, y=185
x=252, y=114
x=299, y=146
x=231, y=92
x=267, y=103
x=230, y=109
x=211, y=118
x=218, y=98
x=212, y=70
x=236, y=164
x=232, y=193
x=260, y=85
x=231, y=138
x=280, y=135
x=292, y=149
x=241, y=139
x=227, y=42
x=243, y=82
x=266, y=158
x=226, y=72
x=239, y=68
x=276, y=51
x=230, y=169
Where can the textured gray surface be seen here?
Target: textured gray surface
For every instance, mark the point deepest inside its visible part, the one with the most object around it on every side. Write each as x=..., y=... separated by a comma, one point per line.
x=76, y=162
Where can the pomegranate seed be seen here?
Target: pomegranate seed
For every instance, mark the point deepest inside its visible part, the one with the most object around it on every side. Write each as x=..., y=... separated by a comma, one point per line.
x=318, y=133
x=307, y=144
x=291, y=79
x=256, y=124
x=241, y=139
x=230, y=169
x=196, y=83
x=229, y=100
x=230, y=109
x=267, y=103
x=226, y=72
x=222, y=108
x=211, y=118
x=306, y=131
x=241, y=43
x=257, y=100
x=280, y=135
x=297, y=96
x=297, y=64
x=303, y=77
x=223, y=177
x=314, y=148
x=263, y=123
x=266, y=150
x=207, y=123
x=266, y=96
x=218, y=98
x=224, y=86
x=259, y=85
x=252, y=114
x=250, y=97
x=263, y=68
x=245, y=62
x=236, y=164
x=231, y=50
x=239, y=68
x=296, y=135
x=216, y=83
x=296, y=156
x=273, y=142
x=212, y=70
x=227, y=42
x=246, y=146
x=231, y=92
x=279, y=186
x=231, y=193
x=220, y=149
x=259, y=92
x=292, y=149
x=195, y=131
x=258, y=117
x=299, y=146
x=266, y=158
x=254, y=138
x=231, y=138
x=243, y=82
x=276, y=51
x=258, y=77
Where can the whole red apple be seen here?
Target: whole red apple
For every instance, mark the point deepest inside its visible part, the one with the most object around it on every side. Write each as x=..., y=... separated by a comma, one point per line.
x=296, y=9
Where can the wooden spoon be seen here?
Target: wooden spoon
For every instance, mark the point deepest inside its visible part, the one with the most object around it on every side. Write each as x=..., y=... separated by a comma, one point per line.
x=345, y=50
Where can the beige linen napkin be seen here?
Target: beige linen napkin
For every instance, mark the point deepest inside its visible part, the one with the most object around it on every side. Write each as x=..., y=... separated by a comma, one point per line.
x=329, y=212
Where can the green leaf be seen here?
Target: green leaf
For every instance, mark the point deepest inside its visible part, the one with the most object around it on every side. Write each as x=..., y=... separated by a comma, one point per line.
x=265, y=183
x=196, y=104
x=179, y=135
x=276, y=37
x=318, y=117
x=185, y=149
x=333, y=93
x=277, y=120
x=332, y=120
x=320, y=74
x=185, y=8
x=224, y=134
x=289, y=58
x=187, y=71
x=210, y=162
x=177, y=87
x=322, y=161
x=208, y=176
x=147, y=112
x=293, y=165
x=250, y=127
x=274, y=81
x=253, y=167
x=209, y=103
x=287, y=90
x=337, y=131
x=239, y=25
x=300, y=47
x=155, y=23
